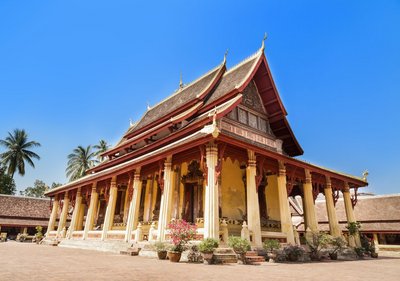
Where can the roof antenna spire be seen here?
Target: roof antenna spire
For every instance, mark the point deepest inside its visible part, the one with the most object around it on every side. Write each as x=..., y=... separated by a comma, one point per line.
x=180, y=81
x=225, y=55
x=263, y=41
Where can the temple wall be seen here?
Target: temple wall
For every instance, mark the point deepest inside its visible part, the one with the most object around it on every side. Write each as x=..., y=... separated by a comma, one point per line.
x=232, y=189
x=271, y=195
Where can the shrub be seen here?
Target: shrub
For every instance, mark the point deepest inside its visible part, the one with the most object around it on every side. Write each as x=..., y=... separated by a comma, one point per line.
x=208, y=245
x=160, y=246
x=316, y=241
x=271, y=245
x=293, y=252
x=353, y=227
x=240, y=246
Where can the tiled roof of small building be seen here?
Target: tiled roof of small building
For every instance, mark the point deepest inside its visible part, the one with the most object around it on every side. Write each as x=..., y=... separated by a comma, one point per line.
x=24, y=207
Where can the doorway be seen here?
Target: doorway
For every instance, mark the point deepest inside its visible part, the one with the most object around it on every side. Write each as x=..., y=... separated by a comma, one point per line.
x=193, y=202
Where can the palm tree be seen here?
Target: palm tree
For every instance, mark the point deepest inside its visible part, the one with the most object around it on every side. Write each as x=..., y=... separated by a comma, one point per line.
x=17, y=152
x=79, y=161
x=101, y=147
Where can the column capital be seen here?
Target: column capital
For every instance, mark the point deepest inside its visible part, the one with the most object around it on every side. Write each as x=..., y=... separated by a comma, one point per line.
x=328, y=182
x=136, y=175
x=308, y=175
x=282, y=168
x=346, y=187
x=78, y=192
x=66, y=195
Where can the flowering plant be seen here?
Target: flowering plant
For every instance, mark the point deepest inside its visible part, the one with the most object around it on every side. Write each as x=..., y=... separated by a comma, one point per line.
x=181, y=233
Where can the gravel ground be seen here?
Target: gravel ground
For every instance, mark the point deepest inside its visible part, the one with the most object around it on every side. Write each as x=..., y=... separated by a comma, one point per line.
x=26, y=261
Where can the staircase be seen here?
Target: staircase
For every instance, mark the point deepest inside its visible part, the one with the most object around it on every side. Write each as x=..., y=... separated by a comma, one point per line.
x=131, y=251
x=224, y=255
x=252, y=257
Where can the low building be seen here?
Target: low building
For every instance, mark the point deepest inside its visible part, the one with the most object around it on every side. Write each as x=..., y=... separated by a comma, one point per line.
x=20, y=214
x=219, y=153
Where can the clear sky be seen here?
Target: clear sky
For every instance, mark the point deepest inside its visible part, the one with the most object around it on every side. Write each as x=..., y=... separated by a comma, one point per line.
x=75, y=72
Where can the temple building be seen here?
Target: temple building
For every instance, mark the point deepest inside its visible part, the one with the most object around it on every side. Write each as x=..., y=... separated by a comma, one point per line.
x=219, y=153
x=21, y=215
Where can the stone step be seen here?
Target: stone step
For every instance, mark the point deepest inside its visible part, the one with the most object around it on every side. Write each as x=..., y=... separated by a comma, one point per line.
x=225, y=255
x=251, y=253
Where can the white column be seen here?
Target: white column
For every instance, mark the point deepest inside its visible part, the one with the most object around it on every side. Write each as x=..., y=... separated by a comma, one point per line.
x=330, y=208
x=211, y=212
x=311, y=218
x=253, y=209
x=76, y=213
x=94, y=196
x=110, y=211
x=53, y=216
x=166, y=199
x=64, y=213
x=134, y=206
x=284, y=210
x=350, y=213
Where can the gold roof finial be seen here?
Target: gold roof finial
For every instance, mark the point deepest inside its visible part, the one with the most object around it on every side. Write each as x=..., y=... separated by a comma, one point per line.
x=180, y=81
x=263, y=41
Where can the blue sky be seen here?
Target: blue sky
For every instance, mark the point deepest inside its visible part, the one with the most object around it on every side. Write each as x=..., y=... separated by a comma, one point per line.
x=75, y=72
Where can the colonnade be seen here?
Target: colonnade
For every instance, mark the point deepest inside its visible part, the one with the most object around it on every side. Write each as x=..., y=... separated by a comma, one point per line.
x=211, y=207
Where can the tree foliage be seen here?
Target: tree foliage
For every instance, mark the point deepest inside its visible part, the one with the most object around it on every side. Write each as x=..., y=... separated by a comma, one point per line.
x=18, y=152
x=7, y=184
x=79, y=161
x=101, y=147
x=38, y=189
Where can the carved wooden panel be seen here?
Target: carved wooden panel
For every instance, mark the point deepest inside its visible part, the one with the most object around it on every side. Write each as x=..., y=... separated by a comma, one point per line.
x=242, y=116
x=252, y=99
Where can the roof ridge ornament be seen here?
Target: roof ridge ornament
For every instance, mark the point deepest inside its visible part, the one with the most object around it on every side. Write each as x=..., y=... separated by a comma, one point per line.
x=148, y=105
x=180, y=81
x=263, y=41
x=365, y=175
x=225, y=55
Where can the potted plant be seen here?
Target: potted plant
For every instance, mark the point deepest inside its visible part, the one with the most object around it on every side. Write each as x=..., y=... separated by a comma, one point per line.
x=271, y=246
x=206, y=248
x=161, y=249
x=293, y=252
x=240, y=246
x=181, y=233
x=338, y=243
x=317, y=241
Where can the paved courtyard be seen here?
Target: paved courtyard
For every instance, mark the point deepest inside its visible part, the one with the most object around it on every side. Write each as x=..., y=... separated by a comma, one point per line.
x=26, y=261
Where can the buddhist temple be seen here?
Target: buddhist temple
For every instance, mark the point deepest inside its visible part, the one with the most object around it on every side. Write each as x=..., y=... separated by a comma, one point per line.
x=219, y=153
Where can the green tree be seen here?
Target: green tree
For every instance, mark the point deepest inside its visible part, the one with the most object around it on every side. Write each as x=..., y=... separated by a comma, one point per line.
x=17, y=152
x=79, y=161
x=7, y=184
x=55, y=184
x=38, y=189
x=101, y=147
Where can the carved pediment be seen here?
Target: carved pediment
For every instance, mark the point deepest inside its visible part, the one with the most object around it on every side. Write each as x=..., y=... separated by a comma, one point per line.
x=252, y=99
